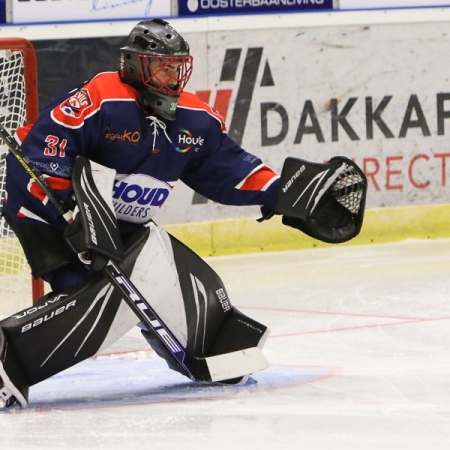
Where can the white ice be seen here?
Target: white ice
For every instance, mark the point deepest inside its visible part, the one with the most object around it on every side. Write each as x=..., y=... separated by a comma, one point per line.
x=359, y=353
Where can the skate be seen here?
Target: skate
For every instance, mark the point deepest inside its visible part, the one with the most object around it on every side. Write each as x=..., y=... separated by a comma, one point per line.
x=6, y=398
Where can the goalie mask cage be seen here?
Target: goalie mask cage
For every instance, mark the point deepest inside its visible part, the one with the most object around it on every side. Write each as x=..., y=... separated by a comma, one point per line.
x=18, y=106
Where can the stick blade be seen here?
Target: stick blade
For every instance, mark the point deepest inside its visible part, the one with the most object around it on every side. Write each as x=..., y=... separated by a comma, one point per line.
x=236, y=364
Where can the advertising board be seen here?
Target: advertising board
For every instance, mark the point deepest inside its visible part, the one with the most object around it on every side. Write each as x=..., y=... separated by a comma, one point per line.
x=376, y=92
x=218, y=7
x=33, y=11
x=369, y=4
x=379, y=94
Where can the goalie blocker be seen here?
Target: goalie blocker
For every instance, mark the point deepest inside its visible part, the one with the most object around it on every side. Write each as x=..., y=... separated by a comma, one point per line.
x=324, y=201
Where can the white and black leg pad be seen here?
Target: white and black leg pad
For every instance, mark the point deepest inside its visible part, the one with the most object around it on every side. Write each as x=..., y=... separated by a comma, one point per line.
x=239, y=332
x=325, y=201
x=13, y=383
x=63, y=329
x=191, y=299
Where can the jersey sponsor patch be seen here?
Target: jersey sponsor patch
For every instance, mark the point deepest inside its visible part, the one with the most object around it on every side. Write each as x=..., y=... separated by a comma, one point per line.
x=123, y=135
x=56, y=169
x=187, y=141
x=76, y=104
x=137, y=198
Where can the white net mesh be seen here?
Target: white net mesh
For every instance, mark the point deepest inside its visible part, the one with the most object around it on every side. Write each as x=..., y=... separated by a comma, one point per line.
x=348, y=189
x=14, y=270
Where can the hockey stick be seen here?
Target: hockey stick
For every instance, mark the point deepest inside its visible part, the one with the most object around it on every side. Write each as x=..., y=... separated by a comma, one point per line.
x=214, y=368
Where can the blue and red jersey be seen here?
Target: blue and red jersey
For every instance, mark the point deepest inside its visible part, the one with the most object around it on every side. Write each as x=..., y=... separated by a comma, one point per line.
x=103, y=122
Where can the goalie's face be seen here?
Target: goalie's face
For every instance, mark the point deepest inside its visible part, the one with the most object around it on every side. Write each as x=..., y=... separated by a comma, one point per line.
x=166, y=74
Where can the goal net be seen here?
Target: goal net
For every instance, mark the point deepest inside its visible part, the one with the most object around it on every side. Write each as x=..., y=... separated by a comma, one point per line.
x=18, y=106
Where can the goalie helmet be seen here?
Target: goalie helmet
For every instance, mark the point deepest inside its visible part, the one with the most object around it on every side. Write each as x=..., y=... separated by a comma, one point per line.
x=156, y=61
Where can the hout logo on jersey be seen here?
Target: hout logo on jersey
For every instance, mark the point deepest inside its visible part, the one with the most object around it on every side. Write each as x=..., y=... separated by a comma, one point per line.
x=75, y=105
x=251, y=68
x=187, y=141
x=136, y=198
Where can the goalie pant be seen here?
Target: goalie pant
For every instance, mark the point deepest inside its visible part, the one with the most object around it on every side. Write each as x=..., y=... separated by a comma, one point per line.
x=63, y=329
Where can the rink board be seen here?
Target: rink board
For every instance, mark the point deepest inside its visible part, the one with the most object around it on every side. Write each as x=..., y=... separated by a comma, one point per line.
x=247, y=235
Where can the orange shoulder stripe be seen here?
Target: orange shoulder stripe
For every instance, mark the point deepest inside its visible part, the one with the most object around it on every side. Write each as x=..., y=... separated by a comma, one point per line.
x=87, y=100
x=259, y=180
x=189, y=100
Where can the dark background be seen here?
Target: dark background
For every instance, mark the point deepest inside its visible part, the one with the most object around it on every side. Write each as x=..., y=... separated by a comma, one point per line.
x=65, y=63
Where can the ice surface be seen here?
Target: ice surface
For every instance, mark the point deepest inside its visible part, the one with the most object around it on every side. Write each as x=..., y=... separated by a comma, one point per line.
x=359, y=353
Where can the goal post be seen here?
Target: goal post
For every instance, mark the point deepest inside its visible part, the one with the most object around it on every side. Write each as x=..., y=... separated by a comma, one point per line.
x=18, y=107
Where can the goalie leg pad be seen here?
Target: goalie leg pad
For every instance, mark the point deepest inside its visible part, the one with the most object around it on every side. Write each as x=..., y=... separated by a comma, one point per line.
x=184, y=290
x=239, y=332
x=63, y=329
x=13, y=384
x=206, y=300
x=191, y=299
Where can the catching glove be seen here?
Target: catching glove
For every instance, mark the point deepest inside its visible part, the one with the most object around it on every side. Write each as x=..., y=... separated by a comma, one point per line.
x=324, y=201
